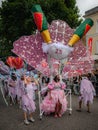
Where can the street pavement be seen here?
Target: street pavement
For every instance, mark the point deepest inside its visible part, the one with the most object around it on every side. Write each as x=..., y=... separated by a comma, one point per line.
x=11, y=118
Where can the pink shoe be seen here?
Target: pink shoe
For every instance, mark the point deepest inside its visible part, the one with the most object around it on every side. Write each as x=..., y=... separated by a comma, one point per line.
x=55, y=116
x=59, y=115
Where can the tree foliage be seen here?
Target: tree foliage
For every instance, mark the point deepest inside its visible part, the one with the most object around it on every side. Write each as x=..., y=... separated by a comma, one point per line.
x=16, y=18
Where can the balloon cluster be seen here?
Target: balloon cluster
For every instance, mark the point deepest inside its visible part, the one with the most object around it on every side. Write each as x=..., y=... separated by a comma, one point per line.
x=15, y=62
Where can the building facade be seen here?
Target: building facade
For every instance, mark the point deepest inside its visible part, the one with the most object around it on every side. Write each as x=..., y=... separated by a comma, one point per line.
x=92, y=35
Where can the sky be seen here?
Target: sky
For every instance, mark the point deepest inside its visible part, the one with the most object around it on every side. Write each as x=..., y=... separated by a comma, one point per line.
x=83, y=5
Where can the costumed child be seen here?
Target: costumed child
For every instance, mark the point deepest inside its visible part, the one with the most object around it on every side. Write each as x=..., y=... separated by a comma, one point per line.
x=28, y=104
x=20, y=89
x=87, y=93
x=55, y=101
x=35, y=87
x=12, y=87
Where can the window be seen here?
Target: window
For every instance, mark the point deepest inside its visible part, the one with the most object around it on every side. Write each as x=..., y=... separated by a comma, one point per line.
x=97, y=26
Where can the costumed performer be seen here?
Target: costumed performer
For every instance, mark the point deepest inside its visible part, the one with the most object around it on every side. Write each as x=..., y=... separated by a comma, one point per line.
x=35, y=87
x=20, y=89
x=55, y=101
x=28, y=104
x=87, y=93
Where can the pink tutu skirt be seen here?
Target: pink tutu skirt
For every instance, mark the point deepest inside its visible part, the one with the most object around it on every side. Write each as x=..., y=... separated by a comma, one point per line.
x=12, y=92
x=28, y=105
x=86, y=97
x=48, y=104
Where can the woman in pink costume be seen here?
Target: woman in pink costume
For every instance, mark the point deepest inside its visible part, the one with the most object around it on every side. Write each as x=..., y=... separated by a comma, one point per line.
x=55, y=101
x=87, y=92
x=28, y=104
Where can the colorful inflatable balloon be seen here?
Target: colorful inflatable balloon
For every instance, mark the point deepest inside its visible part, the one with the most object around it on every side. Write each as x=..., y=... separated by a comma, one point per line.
x=41, y=22
x=81, y=31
